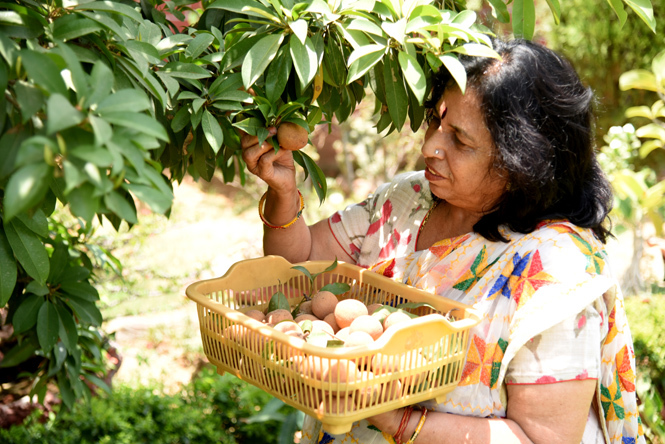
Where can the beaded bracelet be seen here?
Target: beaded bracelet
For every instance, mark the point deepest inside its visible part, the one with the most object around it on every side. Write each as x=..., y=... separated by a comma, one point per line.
x=268, y=224
x=419, y=427
x=403, y=423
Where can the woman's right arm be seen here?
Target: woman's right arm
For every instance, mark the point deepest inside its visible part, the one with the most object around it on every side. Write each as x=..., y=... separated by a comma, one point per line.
x=298, y=242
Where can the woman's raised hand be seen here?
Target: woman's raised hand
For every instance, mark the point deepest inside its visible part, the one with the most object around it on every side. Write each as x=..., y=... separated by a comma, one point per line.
x=275, y=168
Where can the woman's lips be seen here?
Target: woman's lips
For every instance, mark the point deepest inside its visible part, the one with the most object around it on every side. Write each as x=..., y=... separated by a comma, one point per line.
x=430, y=174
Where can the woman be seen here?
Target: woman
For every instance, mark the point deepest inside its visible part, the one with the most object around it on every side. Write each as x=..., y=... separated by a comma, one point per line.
x=508, y=216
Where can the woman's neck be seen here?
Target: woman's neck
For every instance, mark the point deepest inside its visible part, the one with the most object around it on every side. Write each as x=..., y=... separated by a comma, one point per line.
x=446, y=221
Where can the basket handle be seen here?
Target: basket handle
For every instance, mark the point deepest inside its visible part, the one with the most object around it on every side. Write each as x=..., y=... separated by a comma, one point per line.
x=429, y=329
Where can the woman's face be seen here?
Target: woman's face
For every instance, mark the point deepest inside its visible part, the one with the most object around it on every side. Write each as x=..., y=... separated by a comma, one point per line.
x=458, y=151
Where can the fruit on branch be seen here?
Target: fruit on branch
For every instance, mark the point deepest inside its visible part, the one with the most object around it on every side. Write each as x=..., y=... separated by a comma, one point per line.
x=291, y=136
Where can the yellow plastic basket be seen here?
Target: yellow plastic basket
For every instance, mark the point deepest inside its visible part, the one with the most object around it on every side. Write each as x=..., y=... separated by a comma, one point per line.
x=424, y=356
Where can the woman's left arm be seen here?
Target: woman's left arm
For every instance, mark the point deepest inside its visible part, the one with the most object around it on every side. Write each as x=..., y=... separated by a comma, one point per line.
x=537, y=413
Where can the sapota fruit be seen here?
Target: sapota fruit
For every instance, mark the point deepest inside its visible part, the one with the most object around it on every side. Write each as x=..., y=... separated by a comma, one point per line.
x=291, y=136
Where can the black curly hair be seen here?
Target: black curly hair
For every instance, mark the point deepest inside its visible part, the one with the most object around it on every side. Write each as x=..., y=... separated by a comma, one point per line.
x=541, y=119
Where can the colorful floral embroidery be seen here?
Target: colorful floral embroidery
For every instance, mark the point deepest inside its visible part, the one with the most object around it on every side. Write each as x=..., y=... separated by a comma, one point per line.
x=625, y=371
x=612, y=401
x=477, y=270
x=483, y=362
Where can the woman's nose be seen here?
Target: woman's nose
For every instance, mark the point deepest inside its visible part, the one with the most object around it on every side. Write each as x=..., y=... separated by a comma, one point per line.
x=433, y=144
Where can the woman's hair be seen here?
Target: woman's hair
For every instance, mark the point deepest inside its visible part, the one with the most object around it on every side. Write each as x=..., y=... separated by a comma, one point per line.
x=540, y=117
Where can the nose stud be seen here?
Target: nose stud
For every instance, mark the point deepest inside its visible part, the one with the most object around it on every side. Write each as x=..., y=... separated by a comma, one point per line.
x=436, y=152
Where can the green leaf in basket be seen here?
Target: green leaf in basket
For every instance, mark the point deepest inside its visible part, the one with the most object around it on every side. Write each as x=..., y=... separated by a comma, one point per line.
x=412, y=305
x=334, y=343
x=336, y=288
x=303, y=270
x=278, y=301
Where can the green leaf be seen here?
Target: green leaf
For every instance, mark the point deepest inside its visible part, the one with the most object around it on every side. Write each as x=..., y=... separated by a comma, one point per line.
x=138, y=122
x=299, y=28
x=25, y=316
x=112, y=7
x=477, y=49
x=555, y=7
x=363, y=59
x=396, y=97
x=8, y=269
x=199, y=44
x=93, y=154
x=456, y=70
x=102, y=130
x=304, y=60
x=617, y=6
x=26, y=188
x=651, y=131
x=524, y=18
x=278, y=302
x=83, y=203
x=119, y=205
x=61, y=114
x=638, y=79
x=28, y=249
x=30, y=99
x=37, y=223
x=251, y=125
x=98, y=382
x=19, y=353
x=130, y=100
x=258, y=57
x=59, y=259
x=500, y=10
x=278, y=74
x=35, y=287
x=414, y=75
x=158, y=201
x=639, y=111
x=72, y=26
x=43, y=70
x=236, y=53
x=86, y=311
x=48, y=325
x=212, y=130
x=186, y=70
x=396, y=30
x=81, y=290
x=644, y=10
x=100, y=86
x=336, y=288
x=318, y=178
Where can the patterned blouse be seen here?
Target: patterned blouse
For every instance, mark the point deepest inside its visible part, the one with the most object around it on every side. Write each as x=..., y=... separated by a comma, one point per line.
x=551, y=309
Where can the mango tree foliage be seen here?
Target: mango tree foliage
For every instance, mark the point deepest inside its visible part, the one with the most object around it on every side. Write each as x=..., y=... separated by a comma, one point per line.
x=107, y=103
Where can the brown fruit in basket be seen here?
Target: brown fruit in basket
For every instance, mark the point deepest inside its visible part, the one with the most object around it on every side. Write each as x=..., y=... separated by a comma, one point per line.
x=373, y=307
x=342, y=334
x=235, y=332
x=319, y=325
x=336, y=405
x=291, y=136
x=348, y=310
x=305, y=308
x=367, y=324
x=330, y=320
x=287, y=326
x=310, y=366
x=341, y=371
x=305, y=316
x=369, y=394
x=323, y=303
x=256, y=314
x=358, y=338
x=277, y=316
x=390, y=391
x=394, y=319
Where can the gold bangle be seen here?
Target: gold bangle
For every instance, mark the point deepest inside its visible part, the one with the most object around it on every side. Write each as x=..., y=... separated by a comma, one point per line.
x=268, y=224
x=419, y=427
